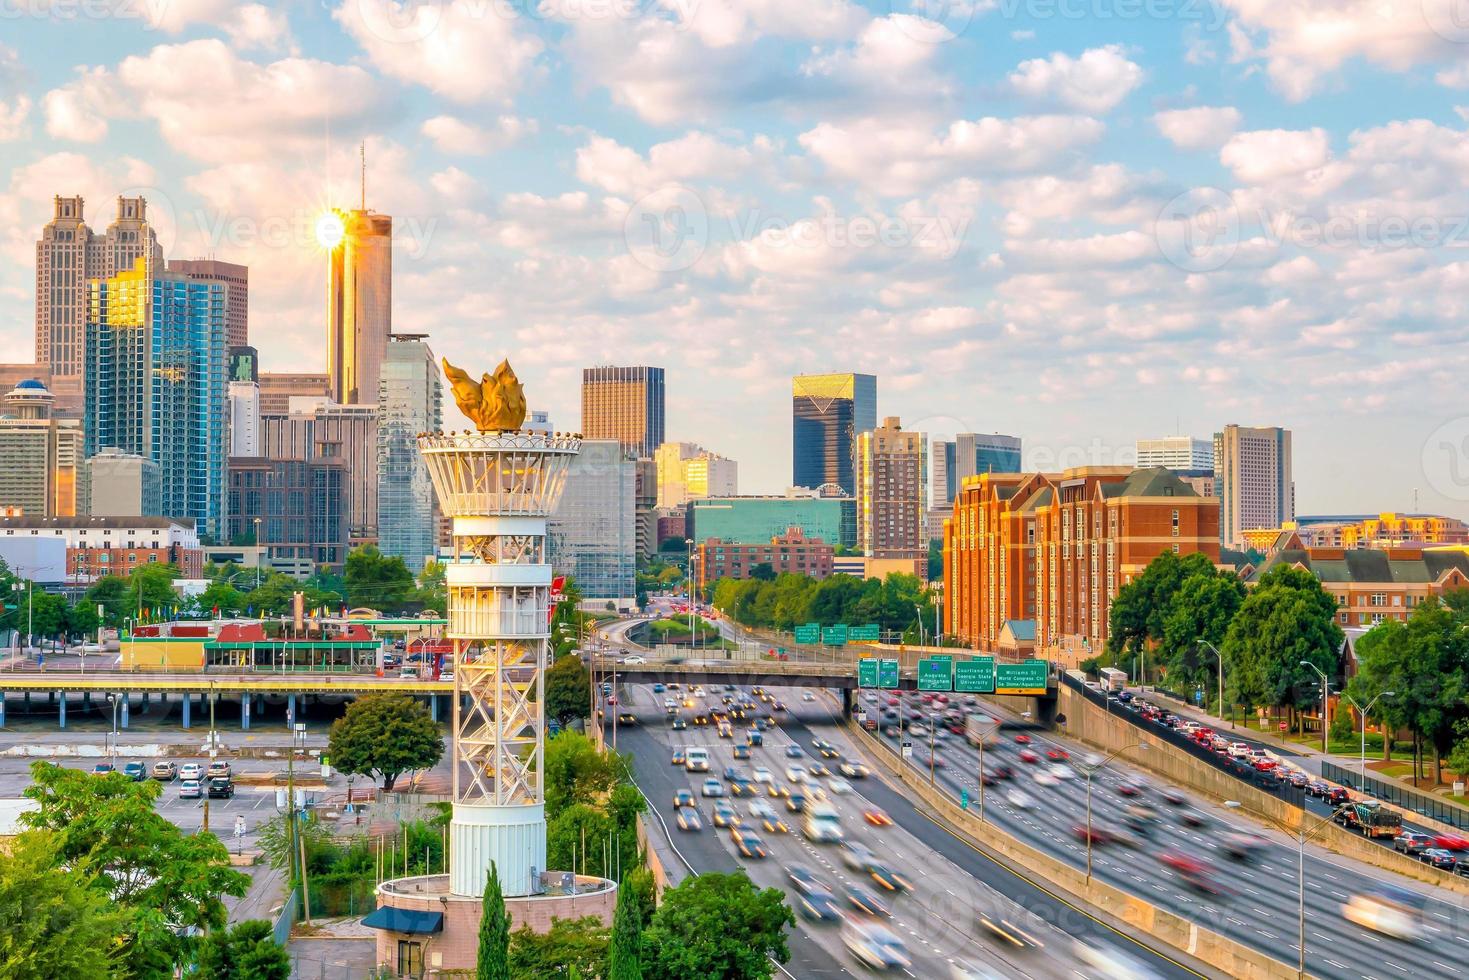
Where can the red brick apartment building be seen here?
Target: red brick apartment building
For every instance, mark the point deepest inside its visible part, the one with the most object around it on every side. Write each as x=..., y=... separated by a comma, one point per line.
x=1056, y=548
x=790, y=552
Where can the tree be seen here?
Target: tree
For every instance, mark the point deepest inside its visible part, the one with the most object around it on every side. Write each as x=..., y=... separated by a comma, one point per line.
x=717, y=927
x=1140, y=611
x=222, y=596
x=111, y=593
x=624, y=956
x=763, y=572
x=150, y=586
x=576, y=837
x=375, y=580
x=54, y=922
x=433, y=592
x=639, y=880
x=493, y=962
x=568, y=689
x=571, y=947
x=246, y=951
x=578, y=772
x=163, y=880
x=385, y=735
x=1200, y=610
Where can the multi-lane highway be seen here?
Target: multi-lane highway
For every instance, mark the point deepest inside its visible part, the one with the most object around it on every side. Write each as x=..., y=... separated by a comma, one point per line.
x=956, y=890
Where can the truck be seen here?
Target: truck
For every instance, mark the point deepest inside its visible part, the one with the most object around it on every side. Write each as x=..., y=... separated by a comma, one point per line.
x=1369, y=818
x=821, y=824
x=975, y=727
x=1113, y=679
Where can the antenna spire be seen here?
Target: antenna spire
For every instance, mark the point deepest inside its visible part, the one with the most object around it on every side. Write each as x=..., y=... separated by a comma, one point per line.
x=363, y=151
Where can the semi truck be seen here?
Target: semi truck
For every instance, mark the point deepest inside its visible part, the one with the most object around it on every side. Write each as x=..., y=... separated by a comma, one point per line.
x=1369, y=818
x=1113, y=679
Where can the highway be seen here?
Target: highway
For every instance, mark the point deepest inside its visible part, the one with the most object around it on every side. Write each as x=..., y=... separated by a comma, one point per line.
x=955, y=886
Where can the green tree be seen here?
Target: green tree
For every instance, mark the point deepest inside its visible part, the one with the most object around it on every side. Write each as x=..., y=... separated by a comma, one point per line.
x=571, y=947
x=274, y=595
x=378, y=581
x=763, y=572
x=568, y=689
x=1142, y=606
x=1200, y=610
x=150, y=586
x=385, y=735
x=222, y=596
x=576, y=838
x=111, y=593
x=81, y=619
x=625, y=954
x=47, y=615
x=639, y=880
x=160, y=878
x=493, y=962
x=245, y=951
x=577, y=772
x=433, y=593
x=54, y=921
x=717, y=927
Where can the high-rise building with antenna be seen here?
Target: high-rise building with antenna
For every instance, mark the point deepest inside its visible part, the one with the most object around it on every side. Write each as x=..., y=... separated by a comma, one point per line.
x=359, y=314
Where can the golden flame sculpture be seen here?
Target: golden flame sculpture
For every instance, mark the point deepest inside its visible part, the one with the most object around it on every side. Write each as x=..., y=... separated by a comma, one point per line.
x=494, y=403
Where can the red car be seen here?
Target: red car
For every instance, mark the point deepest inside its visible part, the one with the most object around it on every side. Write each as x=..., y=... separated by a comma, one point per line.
x=1264, y=765
x=1057, y=755
x=1099, y=835
x=1451, y=842
x=1130, y=789
x=1022, y=739
x=1030, y=756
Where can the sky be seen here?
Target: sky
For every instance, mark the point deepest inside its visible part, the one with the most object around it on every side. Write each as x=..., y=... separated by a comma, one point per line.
x=1077, y=221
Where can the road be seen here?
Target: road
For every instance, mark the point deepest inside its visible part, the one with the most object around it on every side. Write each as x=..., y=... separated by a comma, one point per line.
x=954, y=885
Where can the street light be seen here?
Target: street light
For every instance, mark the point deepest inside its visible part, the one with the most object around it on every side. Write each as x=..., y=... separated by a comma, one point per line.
x=1363, y=711
x=259, y=556
x=921, y=634
x=689, y=548
x=984, y=729
x=1301, y=838
x=1089, y=769
x=112, y=750
x=1215, y=650
x=1325, y=692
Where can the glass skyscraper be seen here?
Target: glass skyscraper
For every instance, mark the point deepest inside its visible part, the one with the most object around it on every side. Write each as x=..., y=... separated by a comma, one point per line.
x=592, y=536
x=970, y=453
x=156, y=369
x=409, y=402
x=828, y=412
x=626, y=404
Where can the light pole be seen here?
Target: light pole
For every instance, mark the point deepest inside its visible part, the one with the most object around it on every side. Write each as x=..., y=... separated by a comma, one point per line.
x=259, y=555
x=921, y=633
x=112, y=750
x=985, y=729
x=1363, y=710
x=1220, y=657
x=1301, y=837
x=1089, y=770
x=1325, y=693
x=689, y=547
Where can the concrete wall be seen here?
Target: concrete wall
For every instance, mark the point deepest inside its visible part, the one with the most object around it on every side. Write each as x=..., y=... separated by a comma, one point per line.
x=1109, y=733
x=1135, y=916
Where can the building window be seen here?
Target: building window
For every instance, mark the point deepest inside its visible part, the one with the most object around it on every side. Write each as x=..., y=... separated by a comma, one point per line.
x=1175, y=526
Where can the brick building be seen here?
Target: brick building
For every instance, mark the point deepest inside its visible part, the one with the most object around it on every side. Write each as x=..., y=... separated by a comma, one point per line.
x=100, y=546
x=716, y=558
x=1056, y=548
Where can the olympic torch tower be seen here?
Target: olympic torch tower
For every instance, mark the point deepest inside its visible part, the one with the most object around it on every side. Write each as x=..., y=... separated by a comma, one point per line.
x=498, y=485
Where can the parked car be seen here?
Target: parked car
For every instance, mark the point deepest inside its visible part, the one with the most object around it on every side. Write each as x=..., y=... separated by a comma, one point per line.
x=190, y=789
x=219, y=768
x=191, y=770
x=135, y=771
x=165, y=771
x=102, y=769
x=221, y=789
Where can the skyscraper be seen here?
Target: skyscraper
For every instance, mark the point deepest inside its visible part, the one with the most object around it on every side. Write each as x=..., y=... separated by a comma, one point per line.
x=359, y=314
x=968, y=454
x=828, y=412
x=277, y=390
x=892, y=475
x=1252, y=476
x=1175, y=453
x=315, y=428
x=40, y=456
x=237, y=306
x=156, y=383
x=244, y=396
x=593, y=533
x=626, y=404
x=409, y=403
x=68, y=256
x=687, y=471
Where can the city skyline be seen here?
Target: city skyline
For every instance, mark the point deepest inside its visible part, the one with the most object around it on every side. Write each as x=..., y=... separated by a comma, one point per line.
x=1060, y=314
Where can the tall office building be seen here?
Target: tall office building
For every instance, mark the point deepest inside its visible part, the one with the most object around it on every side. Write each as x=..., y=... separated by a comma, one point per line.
x=316, y=428
x=68, y=256
x=828, y=413
x=299, y=505
x=156, y=366
x=277, y=390
x=626, y=404
x=359, y=314
x=1252, y=478
x=40, y=455
x=593, y=533
x=687, y=471
x=892, y=475
x=1182, y=453
x=236, y=279
x=244, y=397
x=409, y=403
x=124, y=485
x=969, y=454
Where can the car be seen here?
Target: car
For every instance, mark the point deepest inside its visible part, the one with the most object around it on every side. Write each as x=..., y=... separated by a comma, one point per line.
x=819, y=906
x=807, y=696
x=778, y=706
x=762, y=774
x=876, y=947
x=877, y=817
x=888, y=878
x=682, y=798
x=678, y=758
x=1030, y=757
x=794, y=751
x=165, y=771
x=857, y=855
x=725, y=731
x=749, y=843
x=219, y=768
x=1173, y=797
x=1439, y=857
x=817, y=769
x=191, y=770
x=1057, y=754
x=1193, y=818
x=1318, y=788
x=1237, y=750
x=796, y=774
x=634, y=660
x=1336, y=796
x=135, y=771
x=733, y=772
x=221, y=788
x=1022, y=739
x=865, y=902
x=688, y=818
x=1196, y=873
x=627, y=718
x=1003, y=771
x=796, y=802
x=659, y=688
x=839, y=786
x=1451, y=842
x=1130, y=788
x=741, y=787
x=853, y=770
x=680, y=724
x=741, y=751
x=190, y=789
x=1044, y=778
x=711, y=787
x=102, y=769
x=725, y=815
x=827, y=750
x=1061, y=772
x=776, y=790
x=1099, y=835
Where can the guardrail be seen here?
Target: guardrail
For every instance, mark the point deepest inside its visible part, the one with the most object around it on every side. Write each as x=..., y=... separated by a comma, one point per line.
x=1423, y=804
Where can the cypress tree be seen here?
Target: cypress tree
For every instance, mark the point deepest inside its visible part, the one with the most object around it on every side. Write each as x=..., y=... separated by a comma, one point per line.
x=624, y=956
x=493, y=962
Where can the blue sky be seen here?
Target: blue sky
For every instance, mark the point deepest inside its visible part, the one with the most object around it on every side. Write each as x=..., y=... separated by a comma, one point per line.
x=1077, y=221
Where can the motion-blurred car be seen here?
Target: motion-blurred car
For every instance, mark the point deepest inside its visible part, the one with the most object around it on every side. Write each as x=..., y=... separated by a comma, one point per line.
x=678, y=758
x=725, y=815
x=1022, y=739
x=839, y=786
x=1242, y=847
x=1057, y=754
x=857, y=855
x=1389, y=910
x=749, y=843
x=874, y=946
x=853, y=770
x=711, y=787
x=1195, y=872
x=887, y=877
x=769, y=819
x=1030, y=757
x=688, y=818
x=877, y=817
x=819, y=905
x=1009, y=933
x=796, y=801
x=1130, y=788
x=741, y=751
x=794, y=751
x=817, y=769
x=803, y=878
x=762, y=775
x=682, y=797
x=680, y=724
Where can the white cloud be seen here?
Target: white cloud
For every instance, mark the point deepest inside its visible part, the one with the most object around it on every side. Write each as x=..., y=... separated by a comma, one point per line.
x=13, y=118
x=464, y=50
x=78, y=111
x=695, y=157
x=1096, y=82
x=1199, y=128
x=453, y=135
x=249, y=25
x=1264, y=155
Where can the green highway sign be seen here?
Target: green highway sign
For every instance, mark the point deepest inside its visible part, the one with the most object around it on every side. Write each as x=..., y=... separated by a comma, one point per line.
x=834, y=635
x=869, y=633
x=887, y=675
x=867, y=672
x=808, y=633
x=975, y=676
x=936, y=674
x=964, y=799
x=1026, y=677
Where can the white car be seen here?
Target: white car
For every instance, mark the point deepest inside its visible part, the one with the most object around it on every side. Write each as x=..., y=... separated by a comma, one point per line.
x=796, y=774
x=807, y=696
x=1044, y=778
x=1238, y=750
x=762, y=775
x=191, y=770
x=634, y=660
x=839, y=786
x=1061, y=772
x=711, y=787
x=1020, y=800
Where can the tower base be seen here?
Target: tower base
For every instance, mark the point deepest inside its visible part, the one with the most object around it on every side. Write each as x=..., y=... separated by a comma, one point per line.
x=513, y=838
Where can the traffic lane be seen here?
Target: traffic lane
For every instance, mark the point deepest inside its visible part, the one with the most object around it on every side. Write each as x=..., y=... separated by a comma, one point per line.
x=936, y=838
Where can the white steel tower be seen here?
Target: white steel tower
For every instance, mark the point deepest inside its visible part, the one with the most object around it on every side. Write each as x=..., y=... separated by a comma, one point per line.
x=498, y=487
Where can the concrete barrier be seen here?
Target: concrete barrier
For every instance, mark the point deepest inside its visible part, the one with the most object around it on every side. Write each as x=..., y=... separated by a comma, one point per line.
x=1109, y=733
x=1231, y=958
